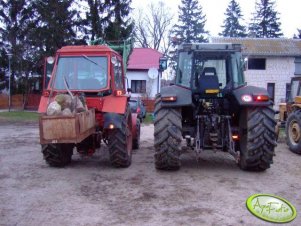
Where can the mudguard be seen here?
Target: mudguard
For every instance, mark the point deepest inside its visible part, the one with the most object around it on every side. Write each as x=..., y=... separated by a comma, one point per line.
x=184, y=96
x=250, y=90
x=112, y=118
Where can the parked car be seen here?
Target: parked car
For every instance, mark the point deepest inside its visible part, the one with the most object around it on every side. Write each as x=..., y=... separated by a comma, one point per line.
x=137, y=106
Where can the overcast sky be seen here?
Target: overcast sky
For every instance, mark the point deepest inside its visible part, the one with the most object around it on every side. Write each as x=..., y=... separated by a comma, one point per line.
x=290, y=12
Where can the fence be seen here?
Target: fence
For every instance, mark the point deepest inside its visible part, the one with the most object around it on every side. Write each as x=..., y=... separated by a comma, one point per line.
x=20, y=101
x=32, y=102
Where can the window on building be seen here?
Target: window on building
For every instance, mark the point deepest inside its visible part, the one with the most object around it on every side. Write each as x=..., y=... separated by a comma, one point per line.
x=256, y=63
x=138, y=86
x=271, y=90
x=298, y=66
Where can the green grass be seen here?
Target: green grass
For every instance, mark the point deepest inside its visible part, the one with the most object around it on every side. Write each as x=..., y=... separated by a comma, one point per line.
x=19, y=116
x=148, y=119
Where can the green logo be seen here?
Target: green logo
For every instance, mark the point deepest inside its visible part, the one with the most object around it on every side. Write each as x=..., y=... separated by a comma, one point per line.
x=271, y=208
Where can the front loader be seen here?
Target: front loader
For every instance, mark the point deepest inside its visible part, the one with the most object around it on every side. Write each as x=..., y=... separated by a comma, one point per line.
x=211, y=107
x=94, y=77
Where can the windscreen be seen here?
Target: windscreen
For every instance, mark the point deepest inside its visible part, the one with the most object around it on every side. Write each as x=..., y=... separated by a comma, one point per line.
x=81, y=73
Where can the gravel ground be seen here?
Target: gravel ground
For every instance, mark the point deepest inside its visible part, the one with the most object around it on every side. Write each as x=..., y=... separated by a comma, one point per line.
x=89, y=191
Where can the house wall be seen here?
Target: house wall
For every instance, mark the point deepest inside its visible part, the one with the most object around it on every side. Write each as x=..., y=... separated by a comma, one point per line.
x=151, y=84
x=279, y=70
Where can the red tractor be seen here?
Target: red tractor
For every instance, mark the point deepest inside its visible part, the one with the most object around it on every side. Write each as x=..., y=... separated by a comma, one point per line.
x=94, y=75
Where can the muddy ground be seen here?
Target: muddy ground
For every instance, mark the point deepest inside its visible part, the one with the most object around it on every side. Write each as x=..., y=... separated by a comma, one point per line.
x=91, y=192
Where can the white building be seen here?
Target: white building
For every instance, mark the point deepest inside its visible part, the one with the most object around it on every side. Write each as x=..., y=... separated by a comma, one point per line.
x=271, y=63
x=142, y=72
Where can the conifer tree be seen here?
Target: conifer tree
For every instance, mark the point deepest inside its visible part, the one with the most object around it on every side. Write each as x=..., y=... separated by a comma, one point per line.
x=191, y=23
x=265, y=22
x=232, y=26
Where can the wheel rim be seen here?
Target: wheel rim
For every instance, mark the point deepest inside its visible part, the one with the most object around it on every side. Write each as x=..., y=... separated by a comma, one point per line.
x=294, y=132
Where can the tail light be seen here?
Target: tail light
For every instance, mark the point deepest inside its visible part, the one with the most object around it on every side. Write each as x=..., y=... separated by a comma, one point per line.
x=235, y=137
x=261, y=98
x=138, y=110
x=169, y=98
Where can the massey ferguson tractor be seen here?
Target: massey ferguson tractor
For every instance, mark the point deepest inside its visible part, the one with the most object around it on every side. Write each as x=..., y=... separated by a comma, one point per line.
x=86, y=91
x=211, y=107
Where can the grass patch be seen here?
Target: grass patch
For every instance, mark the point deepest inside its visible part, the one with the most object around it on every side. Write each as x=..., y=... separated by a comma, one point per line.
x=19, y=116
x=148, y=119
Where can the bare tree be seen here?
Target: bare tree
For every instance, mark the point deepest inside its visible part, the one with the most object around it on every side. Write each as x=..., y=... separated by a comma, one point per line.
x=152, y=27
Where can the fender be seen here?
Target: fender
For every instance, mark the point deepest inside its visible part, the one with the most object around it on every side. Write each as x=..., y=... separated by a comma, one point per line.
x=252, y=91
x=112, y=118
x=183, y=96
x=115, y=104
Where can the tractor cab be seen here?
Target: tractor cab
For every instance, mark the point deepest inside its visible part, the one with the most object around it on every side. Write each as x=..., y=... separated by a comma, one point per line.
x=210, y=70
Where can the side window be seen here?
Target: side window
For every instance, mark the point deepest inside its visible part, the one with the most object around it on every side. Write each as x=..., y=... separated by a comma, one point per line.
x=184, y=69
x=118, y=75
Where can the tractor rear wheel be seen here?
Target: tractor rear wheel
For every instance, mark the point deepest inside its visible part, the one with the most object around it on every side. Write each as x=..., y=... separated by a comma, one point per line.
x=120, y=142
x=293, y=131
x=168, y=136
x=136, y=141
x=257, y=138
x=57, y=155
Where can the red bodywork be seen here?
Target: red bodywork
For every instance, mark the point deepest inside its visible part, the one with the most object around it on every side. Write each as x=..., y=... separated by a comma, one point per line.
x=115, y=102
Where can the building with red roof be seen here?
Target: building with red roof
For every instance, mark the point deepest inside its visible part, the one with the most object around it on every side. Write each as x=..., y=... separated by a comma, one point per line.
x=142, y=72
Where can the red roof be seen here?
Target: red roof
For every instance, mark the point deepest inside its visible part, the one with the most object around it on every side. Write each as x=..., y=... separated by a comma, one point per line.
x=144, y=59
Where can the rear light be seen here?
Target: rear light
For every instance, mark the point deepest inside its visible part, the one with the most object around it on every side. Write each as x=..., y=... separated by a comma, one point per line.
x=246, y=98
x=138, y=110
x=261, y=98
x=169, y=98
x=46, y=93
x=235, y=137
x=118, y=92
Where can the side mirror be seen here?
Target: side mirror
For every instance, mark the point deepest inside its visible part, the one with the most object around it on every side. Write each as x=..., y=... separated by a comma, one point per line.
x=129, y=90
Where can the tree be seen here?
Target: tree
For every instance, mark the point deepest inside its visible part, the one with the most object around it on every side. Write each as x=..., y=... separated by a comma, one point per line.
x=108, y=19
x=14, y=18
x=298, y=35
x=152, y=27
x=191, y=23
x=50, y=31
x=232, y=25
x=120, y=26
x=265, y=22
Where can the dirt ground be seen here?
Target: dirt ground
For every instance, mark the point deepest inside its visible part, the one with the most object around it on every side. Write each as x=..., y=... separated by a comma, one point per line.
x=91, y=192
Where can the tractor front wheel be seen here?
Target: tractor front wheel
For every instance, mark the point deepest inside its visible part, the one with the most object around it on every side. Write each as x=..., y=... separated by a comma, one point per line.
x=120, y=142
x=57, y=155
x=168, y=136
x=257, y=138
x=293, y=132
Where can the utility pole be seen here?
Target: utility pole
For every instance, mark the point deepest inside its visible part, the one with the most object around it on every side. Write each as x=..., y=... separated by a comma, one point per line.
x=9, y=82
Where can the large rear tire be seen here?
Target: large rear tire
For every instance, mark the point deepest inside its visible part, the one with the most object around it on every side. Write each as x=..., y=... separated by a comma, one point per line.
x=257, y=138
x=120, y=142
x=168, y=136
x=57, y=155
x=293, y=132
x=136, y=140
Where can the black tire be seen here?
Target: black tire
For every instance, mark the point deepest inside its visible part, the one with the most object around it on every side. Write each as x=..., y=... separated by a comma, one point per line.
x=257, y=138
x=167, y=137
x=293, y=132
x=120, y=143
x=136, y=140
x=57, y=155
